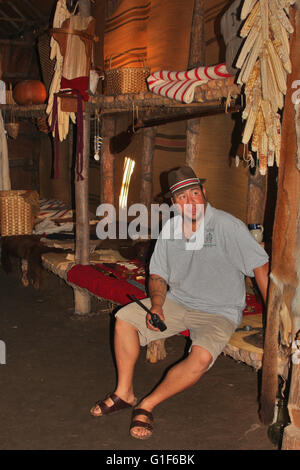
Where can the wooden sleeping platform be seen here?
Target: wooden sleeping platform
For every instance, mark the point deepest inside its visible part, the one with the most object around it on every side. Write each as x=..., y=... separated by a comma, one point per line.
x=243, y=351
x=238, y=347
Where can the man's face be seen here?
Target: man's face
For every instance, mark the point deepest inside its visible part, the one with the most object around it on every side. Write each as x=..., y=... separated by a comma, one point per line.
x=191, y=202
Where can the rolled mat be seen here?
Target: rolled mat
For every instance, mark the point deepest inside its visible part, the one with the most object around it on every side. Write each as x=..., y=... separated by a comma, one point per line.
x=180, y=86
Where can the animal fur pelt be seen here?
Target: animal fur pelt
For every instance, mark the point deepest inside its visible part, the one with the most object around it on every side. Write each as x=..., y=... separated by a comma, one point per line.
x=283, y=312
x=29, y=249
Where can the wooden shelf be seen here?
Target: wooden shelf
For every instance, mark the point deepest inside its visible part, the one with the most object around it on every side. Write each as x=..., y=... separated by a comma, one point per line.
x=209, y=98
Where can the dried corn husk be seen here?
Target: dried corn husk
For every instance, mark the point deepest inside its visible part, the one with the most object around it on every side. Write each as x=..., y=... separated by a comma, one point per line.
x=61, y=14
x=264, y=63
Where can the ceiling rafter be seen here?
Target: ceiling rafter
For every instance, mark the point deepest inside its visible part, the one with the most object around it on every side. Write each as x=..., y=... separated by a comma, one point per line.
x=18, y=16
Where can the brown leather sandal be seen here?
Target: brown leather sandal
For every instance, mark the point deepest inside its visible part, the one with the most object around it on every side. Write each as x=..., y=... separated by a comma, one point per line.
x=135, y=423
x=118, y=405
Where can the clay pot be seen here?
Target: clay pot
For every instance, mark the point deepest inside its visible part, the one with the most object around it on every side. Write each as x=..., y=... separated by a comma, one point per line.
x=30, y=92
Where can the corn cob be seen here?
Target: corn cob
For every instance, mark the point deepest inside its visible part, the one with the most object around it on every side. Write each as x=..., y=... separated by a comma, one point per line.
x=250, y=123
x=247, y=7
x=253, y=78
x=255, y=138
x=271, y=157
x=264, y=76
x=275, y=93
x=258, y=131
x=262, y=158
x=253, y=56
x=281, y=34
x=271, y=144
x=248, y=44
x=281, y=43
x=252, y=18
x=253, y=101
x=264, y=13
x=280, y=15
x=264, y=143
x=267, y=114
x=277, y=67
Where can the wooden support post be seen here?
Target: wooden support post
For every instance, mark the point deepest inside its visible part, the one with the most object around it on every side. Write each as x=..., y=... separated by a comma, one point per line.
x=156, y=349
x=147, y=166
x=196, y=59
x=110, y=7
x=82, y=251
x=107, y=190
x=285, y=261
x=257, y=195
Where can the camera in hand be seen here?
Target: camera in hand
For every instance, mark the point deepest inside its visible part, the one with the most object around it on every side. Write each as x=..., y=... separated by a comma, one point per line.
x=157, y=322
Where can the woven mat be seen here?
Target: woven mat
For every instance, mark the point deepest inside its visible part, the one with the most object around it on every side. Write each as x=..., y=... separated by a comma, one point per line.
x=125, y=38
x=168, y=34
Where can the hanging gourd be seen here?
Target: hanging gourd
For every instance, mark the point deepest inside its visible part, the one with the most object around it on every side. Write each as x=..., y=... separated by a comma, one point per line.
x=29, y=92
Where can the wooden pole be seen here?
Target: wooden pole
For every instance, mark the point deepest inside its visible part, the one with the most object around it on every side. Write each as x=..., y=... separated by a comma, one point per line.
x=257, y=195
x=156, y=349
x=196, y=59
x=110, y=7
x=291, y=436
x=82, y=250
x=147, y=166
x=283, y=302
x=107, y=189
x=197, y=43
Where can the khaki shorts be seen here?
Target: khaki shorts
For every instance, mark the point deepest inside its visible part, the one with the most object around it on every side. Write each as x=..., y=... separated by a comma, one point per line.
x=207, y=330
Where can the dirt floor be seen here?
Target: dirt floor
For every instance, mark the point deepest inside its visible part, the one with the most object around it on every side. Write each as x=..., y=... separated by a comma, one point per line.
x=58, y=365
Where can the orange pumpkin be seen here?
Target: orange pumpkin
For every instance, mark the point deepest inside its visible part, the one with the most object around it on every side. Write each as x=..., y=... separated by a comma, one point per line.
x=30, y=92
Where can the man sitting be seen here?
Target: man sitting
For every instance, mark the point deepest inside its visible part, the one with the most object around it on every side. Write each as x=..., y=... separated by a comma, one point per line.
x=203, y=254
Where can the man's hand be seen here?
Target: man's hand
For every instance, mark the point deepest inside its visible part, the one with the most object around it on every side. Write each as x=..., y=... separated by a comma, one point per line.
x=157, y=292
x=159, y=311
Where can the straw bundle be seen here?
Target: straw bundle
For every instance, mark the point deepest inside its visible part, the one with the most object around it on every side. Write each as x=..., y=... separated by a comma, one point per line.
x=264, y=62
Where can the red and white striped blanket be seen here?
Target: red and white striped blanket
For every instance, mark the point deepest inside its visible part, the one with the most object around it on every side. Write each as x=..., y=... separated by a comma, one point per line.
x=180, y=86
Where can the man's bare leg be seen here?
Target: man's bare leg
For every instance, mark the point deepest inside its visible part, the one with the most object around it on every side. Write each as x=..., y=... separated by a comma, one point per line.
x=183, y=375
x=127, y=348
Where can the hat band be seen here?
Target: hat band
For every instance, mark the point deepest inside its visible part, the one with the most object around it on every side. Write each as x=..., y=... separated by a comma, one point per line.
x=184, y=183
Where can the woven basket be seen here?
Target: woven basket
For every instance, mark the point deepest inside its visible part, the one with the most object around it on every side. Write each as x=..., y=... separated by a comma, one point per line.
x=16, y=213
x=125, y=80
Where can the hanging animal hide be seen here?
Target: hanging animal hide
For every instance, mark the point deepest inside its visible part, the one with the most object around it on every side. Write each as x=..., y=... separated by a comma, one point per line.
x=283, y=315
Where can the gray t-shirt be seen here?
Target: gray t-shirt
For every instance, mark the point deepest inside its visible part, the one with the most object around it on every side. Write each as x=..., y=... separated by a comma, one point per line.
x=209, y=278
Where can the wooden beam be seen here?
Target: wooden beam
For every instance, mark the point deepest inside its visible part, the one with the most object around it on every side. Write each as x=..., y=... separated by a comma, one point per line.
x=257, y=196
x=82, y=250
x=81, y=199
x=196, y=59
x=107, y=163
x=197, y=44
x=147, y=166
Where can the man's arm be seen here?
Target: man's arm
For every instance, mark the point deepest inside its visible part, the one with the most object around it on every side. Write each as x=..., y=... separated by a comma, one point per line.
x=157, y=292
x=262, y=279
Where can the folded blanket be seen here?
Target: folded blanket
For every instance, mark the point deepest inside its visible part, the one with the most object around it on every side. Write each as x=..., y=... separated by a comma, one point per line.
x=54, y=209
x=180, y=86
